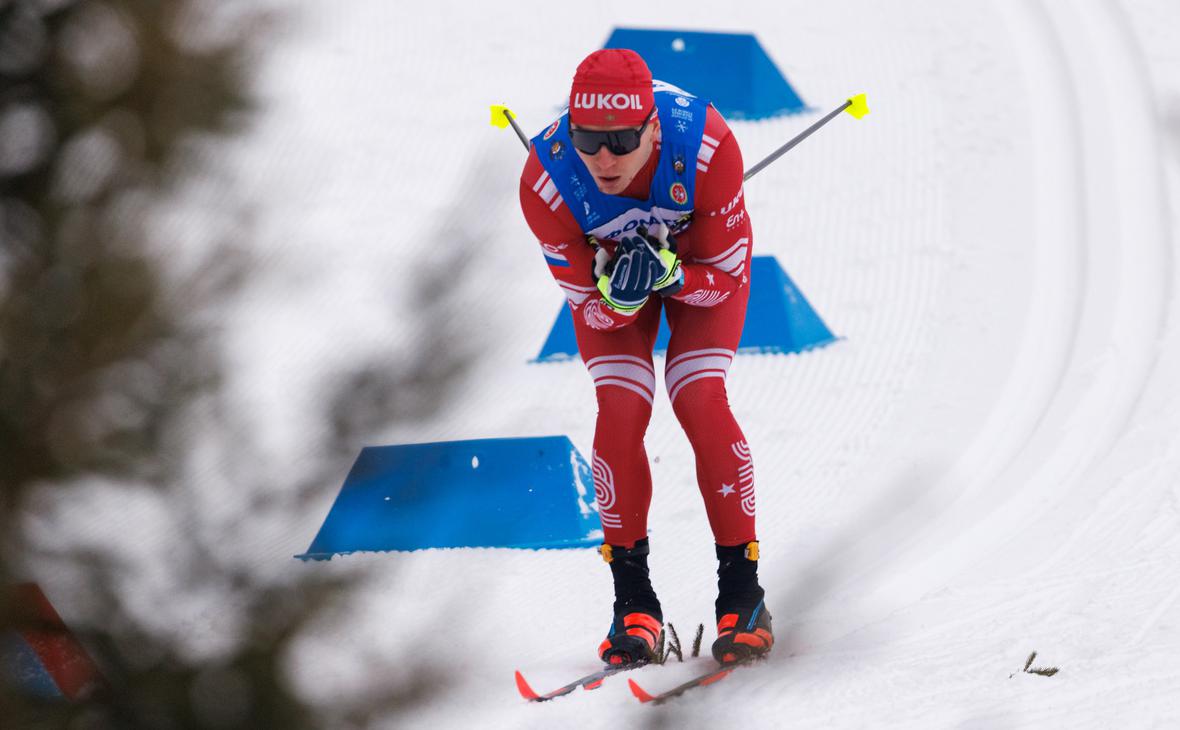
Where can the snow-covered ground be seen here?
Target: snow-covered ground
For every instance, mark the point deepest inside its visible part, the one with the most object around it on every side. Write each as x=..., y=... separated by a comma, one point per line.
x=987, y=465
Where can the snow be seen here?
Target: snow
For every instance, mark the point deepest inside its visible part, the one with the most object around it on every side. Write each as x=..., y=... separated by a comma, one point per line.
x=987, y=465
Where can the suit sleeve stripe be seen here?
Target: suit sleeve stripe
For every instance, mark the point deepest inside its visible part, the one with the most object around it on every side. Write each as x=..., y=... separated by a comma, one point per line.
x=735, y=248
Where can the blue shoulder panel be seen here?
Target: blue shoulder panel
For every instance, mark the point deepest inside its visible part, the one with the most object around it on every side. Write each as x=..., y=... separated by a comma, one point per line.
x=682, y=123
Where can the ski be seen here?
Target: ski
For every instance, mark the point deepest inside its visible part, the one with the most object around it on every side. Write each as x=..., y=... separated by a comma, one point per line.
x=709, y=677
x=590, y=681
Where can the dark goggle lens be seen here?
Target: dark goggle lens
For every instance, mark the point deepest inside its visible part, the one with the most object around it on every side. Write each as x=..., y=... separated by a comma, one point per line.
x=619, y=142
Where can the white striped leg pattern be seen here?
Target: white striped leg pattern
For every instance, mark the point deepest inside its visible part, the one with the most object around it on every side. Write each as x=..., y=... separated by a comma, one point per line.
x=604, y=493
x=745, y=476
x=696, y=365
x=624, y=371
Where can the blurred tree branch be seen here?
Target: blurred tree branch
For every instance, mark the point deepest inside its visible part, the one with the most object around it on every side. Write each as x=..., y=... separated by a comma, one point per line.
x=105, y=356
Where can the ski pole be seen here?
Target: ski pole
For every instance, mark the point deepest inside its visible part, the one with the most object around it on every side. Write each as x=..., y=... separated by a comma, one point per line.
x=856, y=106
x=502, y=116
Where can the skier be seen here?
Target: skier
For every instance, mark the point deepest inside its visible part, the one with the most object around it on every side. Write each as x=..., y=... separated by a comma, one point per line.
x=635, y=195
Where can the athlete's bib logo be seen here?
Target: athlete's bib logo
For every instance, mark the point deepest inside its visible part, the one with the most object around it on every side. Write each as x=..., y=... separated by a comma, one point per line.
x=679, y=193
x=552, y=129
x=681, y=101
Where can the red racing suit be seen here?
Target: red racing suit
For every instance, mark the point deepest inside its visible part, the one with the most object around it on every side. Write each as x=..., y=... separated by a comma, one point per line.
x=705, y=317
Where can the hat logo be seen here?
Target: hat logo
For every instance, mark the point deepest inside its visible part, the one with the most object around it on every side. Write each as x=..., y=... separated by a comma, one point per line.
x=607, y=101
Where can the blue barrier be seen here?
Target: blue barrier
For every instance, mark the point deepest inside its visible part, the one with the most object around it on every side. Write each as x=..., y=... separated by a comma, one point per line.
x=512, y=492
x=779, y=319
x=730, y=69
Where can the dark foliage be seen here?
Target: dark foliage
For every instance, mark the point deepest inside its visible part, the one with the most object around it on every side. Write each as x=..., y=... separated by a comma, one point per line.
x=107, y=111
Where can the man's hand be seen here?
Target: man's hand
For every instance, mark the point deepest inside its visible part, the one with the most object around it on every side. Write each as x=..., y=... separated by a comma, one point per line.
x=627, y=280
x=660, y=247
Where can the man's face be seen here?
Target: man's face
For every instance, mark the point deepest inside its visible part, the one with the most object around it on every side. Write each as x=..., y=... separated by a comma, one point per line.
x=613, y=173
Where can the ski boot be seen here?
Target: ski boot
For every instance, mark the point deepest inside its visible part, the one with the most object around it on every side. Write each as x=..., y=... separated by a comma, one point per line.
x=743, y=623
x=632, y=638
x=638, y=621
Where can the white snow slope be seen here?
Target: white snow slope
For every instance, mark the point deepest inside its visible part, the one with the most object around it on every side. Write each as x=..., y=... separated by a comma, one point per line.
x=987, y=465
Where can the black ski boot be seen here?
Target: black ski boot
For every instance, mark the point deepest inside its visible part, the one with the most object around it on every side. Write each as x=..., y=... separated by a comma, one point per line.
x=743, y=623
x=638, y=621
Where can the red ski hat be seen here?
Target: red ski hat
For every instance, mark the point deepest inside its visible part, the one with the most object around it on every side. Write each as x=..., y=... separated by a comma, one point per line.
x=611, y=87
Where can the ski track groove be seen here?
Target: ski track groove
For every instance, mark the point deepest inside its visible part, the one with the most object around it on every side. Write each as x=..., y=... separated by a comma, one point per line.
x=1034, y=465
x=1153, y=620
x=831, y=408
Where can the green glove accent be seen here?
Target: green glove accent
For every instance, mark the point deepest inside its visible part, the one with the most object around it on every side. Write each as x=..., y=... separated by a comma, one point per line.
x=673, y=279
x=604, y=287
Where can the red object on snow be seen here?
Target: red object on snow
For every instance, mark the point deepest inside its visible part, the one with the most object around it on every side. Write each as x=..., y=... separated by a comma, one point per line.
x=60, y=652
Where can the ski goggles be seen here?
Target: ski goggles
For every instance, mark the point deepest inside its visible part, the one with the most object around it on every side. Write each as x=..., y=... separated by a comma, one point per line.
x=617, y=141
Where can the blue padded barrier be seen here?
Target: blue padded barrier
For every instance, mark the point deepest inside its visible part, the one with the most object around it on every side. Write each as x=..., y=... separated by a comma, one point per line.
x=511, y=492
x=730, y=69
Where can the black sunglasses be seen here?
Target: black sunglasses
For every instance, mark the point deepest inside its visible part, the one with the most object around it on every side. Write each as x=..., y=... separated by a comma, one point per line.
x=618, y=141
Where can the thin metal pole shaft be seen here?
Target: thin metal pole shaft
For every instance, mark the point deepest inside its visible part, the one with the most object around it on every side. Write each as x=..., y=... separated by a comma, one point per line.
x=523, y=139
x=794, y=141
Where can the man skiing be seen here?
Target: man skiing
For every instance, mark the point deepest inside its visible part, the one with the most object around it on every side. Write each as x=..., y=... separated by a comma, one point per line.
x=635, y=195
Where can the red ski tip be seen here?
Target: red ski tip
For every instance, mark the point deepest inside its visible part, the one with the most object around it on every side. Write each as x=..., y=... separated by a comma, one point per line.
x=523, y=687
x=639, y=692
